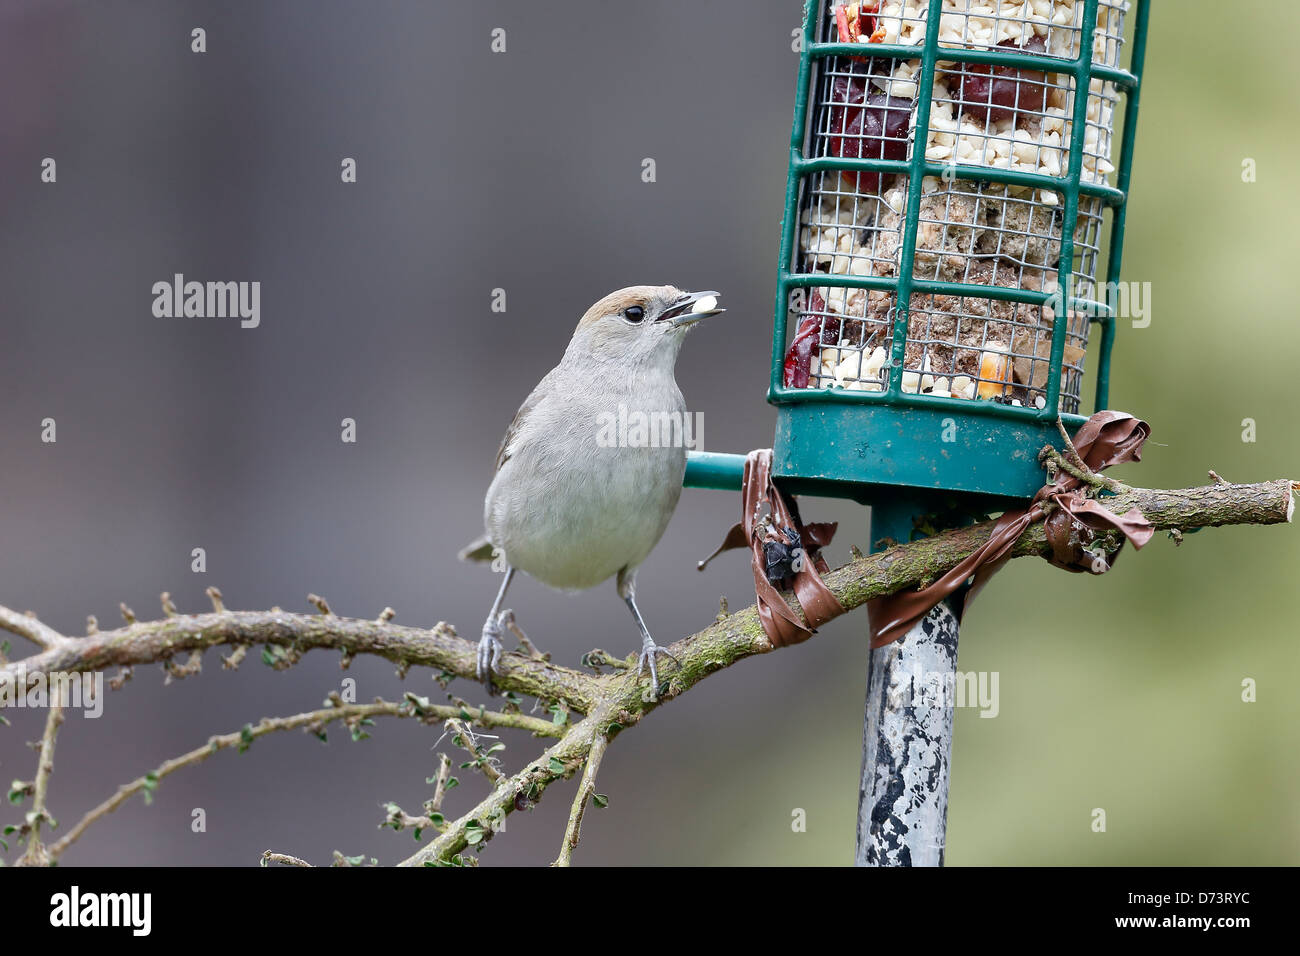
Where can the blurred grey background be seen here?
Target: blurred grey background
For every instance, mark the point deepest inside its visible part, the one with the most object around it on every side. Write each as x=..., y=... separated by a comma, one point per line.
x=522, y=171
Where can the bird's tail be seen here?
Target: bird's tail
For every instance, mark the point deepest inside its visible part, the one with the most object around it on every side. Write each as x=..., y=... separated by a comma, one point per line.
x=480, y=549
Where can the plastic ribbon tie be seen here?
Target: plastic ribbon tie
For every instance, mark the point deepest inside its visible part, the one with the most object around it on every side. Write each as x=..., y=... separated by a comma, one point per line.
x=1107, y=438
x=785, y=552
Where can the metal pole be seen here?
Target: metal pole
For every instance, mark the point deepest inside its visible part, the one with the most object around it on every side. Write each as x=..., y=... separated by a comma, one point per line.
x=907, y=733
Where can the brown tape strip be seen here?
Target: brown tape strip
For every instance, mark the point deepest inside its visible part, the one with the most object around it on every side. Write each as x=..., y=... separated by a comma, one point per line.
x=1107, y=438
x=756, y=530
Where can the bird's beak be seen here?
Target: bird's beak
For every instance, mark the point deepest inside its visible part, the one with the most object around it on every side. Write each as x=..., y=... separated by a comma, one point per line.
x=691, y=308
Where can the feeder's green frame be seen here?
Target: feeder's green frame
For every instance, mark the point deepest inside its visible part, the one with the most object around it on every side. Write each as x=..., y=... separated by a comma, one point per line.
x=863, y=445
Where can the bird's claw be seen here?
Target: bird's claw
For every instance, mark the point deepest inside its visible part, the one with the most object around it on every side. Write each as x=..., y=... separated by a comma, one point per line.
x=490, y=647
x=647, y=659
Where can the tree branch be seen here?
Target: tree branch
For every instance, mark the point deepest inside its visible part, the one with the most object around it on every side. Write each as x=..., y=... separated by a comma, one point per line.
x=610, y=702
x=144, y=642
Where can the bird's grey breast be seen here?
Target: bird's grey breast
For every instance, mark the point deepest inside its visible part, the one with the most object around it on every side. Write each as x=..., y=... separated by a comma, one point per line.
x=591, y=474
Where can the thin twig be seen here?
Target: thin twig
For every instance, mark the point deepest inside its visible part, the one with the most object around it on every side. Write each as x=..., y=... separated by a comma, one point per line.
x=586, y=791
x=464, y=738
x=26, y=625
x=537, y=726
x=399, y=819
x=282, y=858
x=1084, y=473
x=525, y=643
x=36, y=854
x=440, y=783
x=1052, y=457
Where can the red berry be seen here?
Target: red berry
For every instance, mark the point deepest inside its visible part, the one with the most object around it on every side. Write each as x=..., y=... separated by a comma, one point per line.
x=995, y=92
x=813, y=331
x=866, y=124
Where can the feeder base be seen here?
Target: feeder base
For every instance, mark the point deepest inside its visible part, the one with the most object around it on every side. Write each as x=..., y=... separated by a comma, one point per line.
x=848, y=451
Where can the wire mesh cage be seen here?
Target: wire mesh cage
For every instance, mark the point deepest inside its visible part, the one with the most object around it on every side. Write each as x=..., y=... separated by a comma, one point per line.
x=944, y=232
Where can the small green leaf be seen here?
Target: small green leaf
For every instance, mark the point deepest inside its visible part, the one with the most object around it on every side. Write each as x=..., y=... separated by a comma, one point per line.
x=600, y=800
x=474, y=833
x=556, y=765
x=246, y=737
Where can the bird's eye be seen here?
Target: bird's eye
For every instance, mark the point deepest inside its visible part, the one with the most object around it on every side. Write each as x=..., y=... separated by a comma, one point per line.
x=634, y=313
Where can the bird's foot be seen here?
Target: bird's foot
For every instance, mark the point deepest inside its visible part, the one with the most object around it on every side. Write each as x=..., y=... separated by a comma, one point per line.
x=647, y=659
x=490, y=647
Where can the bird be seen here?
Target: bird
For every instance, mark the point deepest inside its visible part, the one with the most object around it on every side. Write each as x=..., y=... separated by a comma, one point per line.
x=576, y=500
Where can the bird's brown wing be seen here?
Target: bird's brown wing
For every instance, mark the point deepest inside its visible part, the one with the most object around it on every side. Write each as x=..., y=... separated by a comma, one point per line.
x=521, y=416
x=482, y=549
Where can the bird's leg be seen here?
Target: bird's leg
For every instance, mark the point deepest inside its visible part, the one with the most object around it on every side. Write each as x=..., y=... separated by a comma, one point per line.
x=489, y=645
x=627, y=588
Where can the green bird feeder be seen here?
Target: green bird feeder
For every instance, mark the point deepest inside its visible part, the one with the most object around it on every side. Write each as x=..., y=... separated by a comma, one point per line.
x=958, y=171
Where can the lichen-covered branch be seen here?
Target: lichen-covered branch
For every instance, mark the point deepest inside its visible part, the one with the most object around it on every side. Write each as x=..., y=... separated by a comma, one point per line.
x=610, y=702
x=142, y=642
